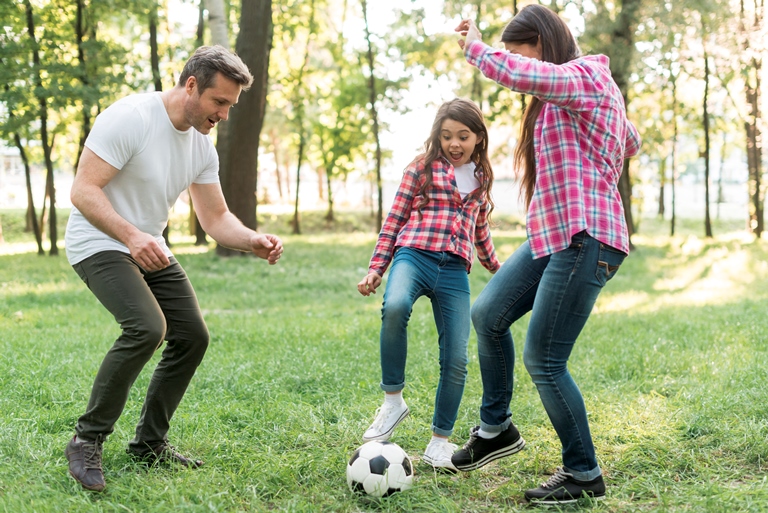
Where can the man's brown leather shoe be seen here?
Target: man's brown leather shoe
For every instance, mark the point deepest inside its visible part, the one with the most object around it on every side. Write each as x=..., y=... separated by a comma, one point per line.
x=165, y=453
x=85, y=463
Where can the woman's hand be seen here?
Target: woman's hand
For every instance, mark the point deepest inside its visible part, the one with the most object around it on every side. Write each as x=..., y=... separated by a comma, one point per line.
x=469, y=31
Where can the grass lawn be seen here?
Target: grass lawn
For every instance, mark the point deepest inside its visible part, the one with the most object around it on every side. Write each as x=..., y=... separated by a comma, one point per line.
x=672, y=365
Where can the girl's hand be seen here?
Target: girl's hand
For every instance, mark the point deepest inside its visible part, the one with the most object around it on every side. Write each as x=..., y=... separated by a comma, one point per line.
x=470, y=32
x=369, y=284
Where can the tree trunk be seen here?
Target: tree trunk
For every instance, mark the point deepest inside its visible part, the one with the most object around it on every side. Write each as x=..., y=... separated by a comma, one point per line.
x=31, y=214
x=239, y=152
x=80, y=29
x=42, y=95
x=662, y=186
x=374, y=117
x=217, y=22
x=754, y=151
x=673, y=219
x=299, y=106
x=154, y=60
x=296, y=220
x=720, y=198
x=707, y=219
x=195, y=228
x=621, y=52
x=754, y=119
x=329, y=216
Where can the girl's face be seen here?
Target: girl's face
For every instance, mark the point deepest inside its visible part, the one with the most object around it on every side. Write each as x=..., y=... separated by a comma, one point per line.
x=458, y=142
x=524, y=49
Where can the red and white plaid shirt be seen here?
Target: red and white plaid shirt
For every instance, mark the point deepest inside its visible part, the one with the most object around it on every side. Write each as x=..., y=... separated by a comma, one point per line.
x=581, y=138
x=447, y=222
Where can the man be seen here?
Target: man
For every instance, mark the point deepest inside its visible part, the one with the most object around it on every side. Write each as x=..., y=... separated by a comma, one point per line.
x=143, y=151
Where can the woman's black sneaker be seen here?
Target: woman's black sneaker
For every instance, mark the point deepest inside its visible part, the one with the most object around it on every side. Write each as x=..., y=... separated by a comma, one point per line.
x=480, y=451
x=563, y=488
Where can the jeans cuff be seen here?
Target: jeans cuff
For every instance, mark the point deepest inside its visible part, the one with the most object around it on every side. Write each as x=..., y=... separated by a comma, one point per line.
x=495, y=428
x=392, y=388
x=584, y=476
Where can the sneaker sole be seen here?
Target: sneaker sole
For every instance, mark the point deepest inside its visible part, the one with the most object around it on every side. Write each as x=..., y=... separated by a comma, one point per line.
x=438, y=466
x=388, y=434
x=554, y=502
x=501, y=453
x=95, y=488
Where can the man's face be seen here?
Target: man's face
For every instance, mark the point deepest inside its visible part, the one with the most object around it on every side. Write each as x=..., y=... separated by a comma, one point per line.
x=203, y=111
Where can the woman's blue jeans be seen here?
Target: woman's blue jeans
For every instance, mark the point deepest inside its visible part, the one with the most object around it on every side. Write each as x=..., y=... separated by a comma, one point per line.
x=443, y=278
x=559, y=290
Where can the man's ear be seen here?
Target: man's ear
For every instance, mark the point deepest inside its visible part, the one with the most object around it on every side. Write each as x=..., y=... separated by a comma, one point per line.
x=191, y=85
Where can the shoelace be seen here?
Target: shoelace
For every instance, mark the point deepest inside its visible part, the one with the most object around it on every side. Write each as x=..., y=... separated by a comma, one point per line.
x=382, y=415
x=559, y=477
x=92, y=455
x=445, y=451
x=164, y=450
x=472, y=440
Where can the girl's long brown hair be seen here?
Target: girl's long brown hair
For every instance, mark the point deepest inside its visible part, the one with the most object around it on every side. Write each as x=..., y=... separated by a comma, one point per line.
x=533, y=24
x=468, y=113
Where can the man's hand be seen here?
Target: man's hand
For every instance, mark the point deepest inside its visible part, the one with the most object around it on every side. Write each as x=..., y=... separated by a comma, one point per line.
x=266, y=246
x=470, y=33
x=369, y=284
x=147, y=252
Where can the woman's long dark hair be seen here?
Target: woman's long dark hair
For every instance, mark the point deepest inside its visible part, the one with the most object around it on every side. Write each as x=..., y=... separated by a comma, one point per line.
x=468, y=113
x=532, y=25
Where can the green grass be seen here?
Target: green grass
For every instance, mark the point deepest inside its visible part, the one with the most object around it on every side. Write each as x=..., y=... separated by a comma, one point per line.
x=672, y=365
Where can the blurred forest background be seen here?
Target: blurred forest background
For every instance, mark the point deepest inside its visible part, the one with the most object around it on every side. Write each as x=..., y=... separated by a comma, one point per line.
x=346, y=91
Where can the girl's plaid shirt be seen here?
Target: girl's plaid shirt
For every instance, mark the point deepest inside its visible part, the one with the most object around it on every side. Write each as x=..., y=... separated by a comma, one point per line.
x=447, y=222
x=581, y=138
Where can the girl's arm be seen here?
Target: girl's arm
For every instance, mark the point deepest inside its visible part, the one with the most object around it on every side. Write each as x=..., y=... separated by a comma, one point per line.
x=398, y=215
x=483, y=241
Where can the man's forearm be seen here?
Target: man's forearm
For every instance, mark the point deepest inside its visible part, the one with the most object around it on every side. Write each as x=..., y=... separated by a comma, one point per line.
x=230, y=232
x=97, y=209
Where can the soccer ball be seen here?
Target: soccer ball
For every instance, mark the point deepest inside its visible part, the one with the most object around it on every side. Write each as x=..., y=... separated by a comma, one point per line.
x=379, y=469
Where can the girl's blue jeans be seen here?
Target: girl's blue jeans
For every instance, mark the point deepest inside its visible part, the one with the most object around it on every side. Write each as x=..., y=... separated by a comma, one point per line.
x=559, y=290
x=443, y=278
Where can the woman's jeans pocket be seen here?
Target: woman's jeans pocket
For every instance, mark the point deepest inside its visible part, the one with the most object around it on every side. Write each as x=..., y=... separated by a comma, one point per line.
x=608, y=262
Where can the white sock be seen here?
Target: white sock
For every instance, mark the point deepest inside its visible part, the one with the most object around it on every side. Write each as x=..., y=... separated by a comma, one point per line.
x=438, y=439
x=395, y=399
x=487, y=434
x=81, y=441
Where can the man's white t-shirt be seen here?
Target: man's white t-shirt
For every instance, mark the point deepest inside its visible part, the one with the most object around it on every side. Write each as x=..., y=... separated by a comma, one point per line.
x=156, y=162
x=465, y=178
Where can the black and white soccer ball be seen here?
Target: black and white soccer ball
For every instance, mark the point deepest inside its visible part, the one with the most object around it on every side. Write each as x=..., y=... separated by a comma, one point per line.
x=379, y=469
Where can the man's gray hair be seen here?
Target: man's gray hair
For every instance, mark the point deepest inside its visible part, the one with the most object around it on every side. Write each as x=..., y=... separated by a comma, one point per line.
x=209, y=60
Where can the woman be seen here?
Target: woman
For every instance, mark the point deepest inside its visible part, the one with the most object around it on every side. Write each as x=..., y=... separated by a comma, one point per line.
x=575, y=136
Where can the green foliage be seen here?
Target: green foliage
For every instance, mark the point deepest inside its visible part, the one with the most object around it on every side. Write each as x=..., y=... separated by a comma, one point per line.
x=671, y=364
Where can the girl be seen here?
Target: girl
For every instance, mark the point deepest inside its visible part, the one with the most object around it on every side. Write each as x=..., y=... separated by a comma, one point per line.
x=439, y=212
x=575, y=136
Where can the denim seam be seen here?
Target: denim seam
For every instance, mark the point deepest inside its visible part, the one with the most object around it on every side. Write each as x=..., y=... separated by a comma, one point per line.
x=550, y=335
x=435, y=298
x=497, y=340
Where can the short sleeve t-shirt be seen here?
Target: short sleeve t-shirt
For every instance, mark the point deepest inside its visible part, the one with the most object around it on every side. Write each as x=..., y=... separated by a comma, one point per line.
x=156, y=162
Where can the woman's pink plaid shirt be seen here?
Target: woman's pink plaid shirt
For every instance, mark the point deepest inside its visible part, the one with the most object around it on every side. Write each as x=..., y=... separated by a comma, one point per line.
x=581, y=138
x=447, y=222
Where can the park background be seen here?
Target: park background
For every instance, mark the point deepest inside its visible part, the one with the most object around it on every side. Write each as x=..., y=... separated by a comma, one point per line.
x=672, y=363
